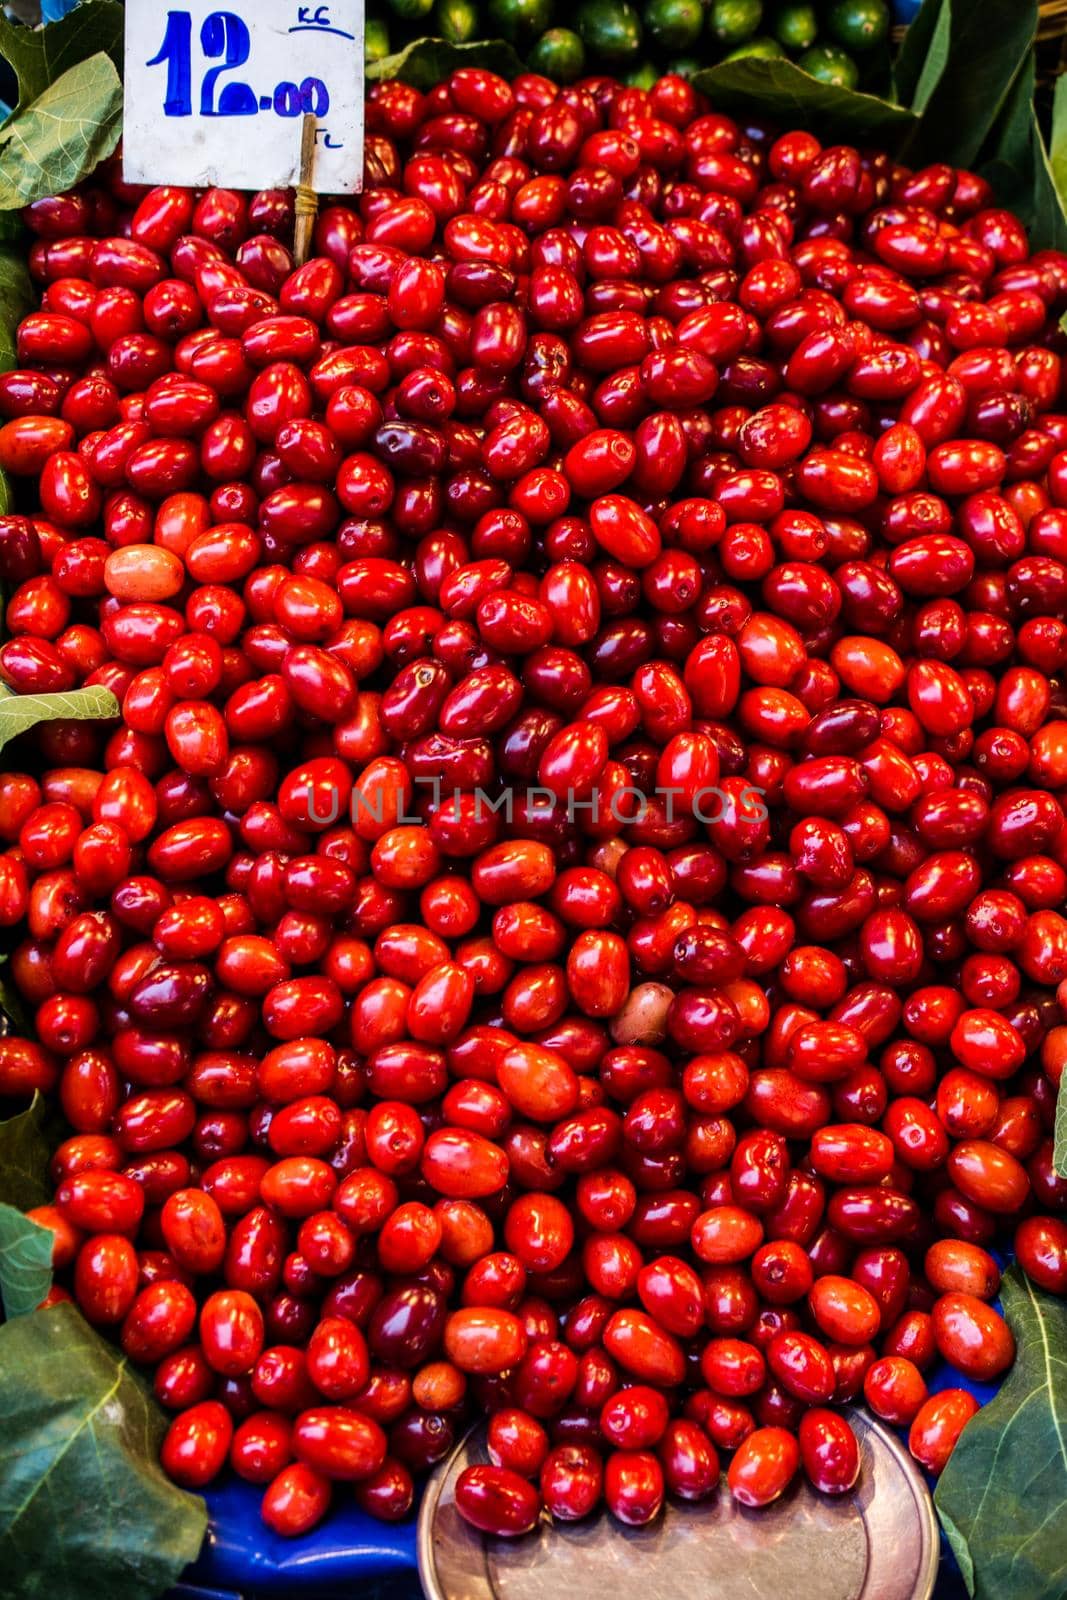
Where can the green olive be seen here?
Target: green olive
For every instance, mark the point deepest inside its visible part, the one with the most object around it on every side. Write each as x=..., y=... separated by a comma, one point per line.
x=559, y=54
x=830, y=65
x=610, y=29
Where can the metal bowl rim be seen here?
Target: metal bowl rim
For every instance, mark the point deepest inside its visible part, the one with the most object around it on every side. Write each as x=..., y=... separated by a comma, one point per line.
x=924, y=1507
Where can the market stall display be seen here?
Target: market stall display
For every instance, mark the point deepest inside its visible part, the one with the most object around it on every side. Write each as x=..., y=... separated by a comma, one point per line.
x=534, y=863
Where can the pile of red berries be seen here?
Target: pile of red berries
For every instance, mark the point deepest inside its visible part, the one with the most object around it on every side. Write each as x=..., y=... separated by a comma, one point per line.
x=568, y=924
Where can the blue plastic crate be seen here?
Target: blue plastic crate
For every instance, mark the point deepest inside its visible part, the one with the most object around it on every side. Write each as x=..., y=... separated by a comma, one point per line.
x=241, y=1556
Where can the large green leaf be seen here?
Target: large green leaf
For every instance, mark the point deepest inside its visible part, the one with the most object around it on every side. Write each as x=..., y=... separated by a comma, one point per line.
x=25, y=1247
x=19, y=712
x=1017, y=163
x=1008, y=155
x=38, y=56
x=86, y=1512
x=25, y=1262
x=58, y=139
x=1059, y=1149
x=16, y=298
x=24, y=1157
x=779, y=89
x=924, y=55
x=1048, y=223
x=1000, y=1499
x=1058, y=143
x=426, y=61
x=988, y=41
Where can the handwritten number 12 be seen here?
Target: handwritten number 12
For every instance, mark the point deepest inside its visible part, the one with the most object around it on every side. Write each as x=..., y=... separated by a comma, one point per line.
x=224, y=34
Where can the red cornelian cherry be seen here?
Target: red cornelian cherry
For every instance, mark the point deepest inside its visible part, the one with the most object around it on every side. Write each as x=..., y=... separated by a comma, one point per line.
x=567, y=921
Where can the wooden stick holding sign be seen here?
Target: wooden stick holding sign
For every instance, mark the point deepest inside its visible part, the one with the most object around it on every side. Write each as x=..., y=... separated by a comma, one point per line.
x=307, y=201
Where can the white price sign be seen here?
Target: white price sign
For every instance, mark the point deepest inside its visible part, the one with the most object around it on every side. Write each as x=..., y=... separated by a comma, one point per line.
x=217, y=96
